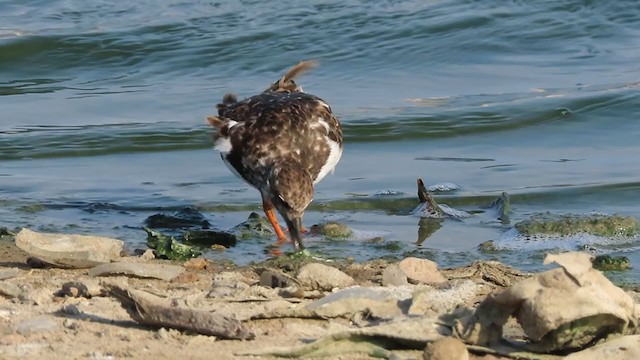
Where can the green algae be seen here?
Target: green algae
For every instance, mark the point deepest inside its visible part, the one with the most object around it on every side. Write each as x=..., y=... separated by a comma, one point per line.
x=168, y=247
x=571, y=224
x=611, y=263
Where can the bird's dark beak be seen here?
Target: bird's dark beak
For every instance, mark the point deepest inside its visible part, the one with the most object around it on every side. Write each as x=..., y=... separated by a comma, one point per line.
x=295, y=227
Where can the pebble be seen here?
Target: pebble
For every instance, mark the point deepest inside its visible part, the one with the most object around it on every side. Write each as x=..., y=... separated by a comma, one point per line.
x=421, y=271
x=447, y=348
x=87, y=288
x=316, y=276
x=276, y=279
x=70, y=324
x=71, y=309
x=196, y=264
x=148, y=255
x=36, y=325
x=392, y=275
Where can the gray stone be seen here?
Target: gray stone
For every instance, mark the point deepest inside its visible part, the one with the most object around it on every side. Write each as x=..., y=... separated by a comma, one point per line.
x=71, y=309
x=392, y=275
x=156, y=271
x=36, y=325
x=276, y=279
x=317, y=276
x=421, y=271
x=68, y=250
x=87, y=288
x=227, y=285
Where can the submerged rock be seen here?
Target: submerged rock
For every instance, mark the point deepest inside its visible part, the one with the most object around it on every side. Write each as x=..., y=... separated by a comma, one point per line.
x=255, y=226
x=209, y=238
x=69, y=250
x=183, y=218
x=571, y=224
x=332, y=229
x=611, y=263
x=168, y=247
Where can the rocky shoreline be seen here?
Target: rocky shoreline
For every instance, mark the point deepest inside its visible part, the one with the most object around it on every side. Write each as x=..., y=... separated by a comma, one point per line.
x=292, y=306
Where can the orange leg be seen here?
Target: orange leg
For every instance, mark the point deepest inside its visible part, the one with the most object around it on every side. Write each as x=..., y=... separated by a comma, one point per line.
x=271, y=215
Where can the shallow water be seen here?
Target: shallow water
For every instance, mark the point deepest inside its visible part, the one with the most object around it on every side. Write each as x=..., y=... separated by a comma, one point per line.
x=103, y=104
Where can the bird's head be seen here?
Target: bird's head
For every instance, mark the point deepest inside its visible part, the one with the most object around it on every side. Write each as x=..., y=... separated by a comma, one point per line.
x=290, y=189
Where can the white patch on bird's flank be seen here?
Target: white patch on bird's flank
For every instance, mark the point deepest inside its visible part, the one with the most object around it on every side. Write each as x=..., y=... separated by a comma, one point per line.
x=223, y=143
x=321, y=122
x=335, y=152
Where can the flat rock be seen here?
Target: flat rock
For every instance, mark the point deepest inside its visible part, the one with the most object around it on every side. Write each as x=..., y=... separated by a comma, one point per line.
x=379, y=302
x=8, y=273
x=317, y=276
x=392, y=275
x=156, y=271
x=421, y=271
x=430, y=301
x=36, y=325
x=69, y=250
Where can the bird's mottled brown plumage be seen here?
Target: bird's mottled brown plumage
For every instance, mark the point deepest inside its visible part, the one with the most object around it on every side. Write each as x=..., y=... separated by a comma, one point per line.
x=281, y=141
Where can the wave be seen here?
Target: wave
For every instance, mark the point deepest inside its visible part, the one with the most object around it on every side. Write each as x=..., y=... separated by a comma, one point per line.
x=421, y=119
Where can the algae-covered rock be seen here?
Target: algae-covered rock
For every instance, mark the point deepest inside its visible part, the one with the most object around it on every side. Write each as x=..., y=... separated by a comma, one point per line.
x=488, y=246
x=255, y=226
x=570, y=224
x=611, y=263
x=209, y=238
x=168, y=247
x=332, y=229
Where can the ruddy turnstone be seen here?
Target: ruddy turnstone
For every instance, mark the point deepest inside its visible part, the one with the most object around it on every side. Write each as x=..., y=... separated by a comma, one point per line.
x=282, y=142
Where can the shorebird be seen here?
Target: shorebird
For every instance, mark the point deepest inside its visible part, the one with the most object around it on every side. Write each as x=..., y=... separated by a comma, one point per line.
x=282, y=142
